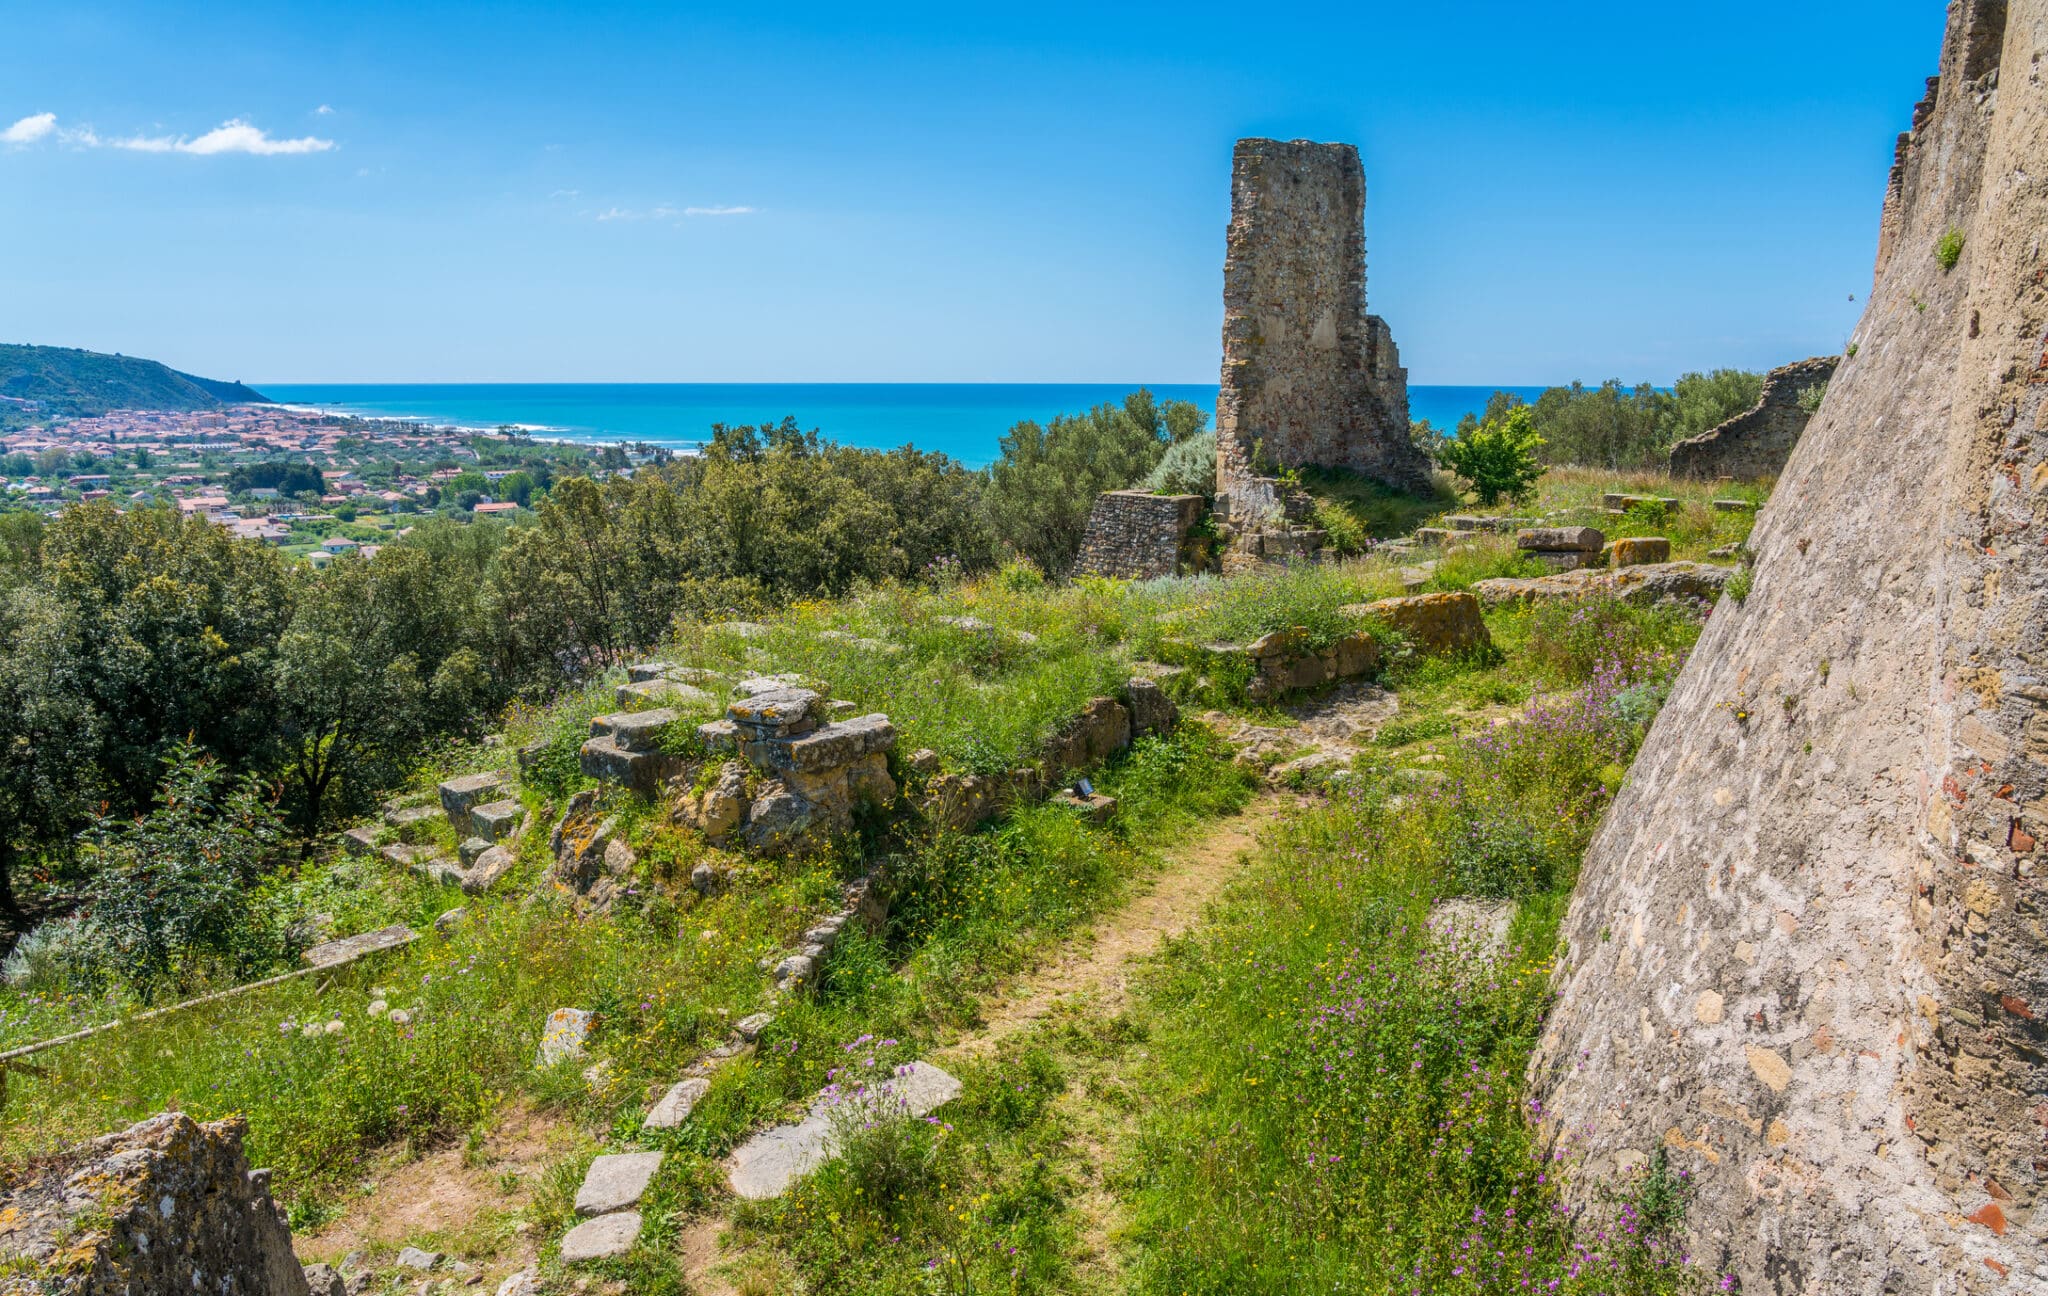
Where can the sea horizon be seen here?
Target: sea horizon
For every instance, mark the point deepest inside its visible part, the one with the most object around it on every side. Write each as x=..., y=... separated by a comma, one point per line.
x=963, y=420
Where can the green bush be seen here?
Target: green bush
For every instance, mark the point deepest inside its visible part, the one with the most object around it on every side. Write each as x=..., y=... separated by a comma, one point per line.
x=172, y=895
x=1497, y=458
x=1187, y=468
x=1950, y=249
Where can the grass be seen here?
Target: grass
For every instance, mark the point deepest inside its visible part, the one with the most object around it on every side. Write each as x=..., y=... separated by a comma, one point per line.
x=1567, y=496
x=1334, y=1097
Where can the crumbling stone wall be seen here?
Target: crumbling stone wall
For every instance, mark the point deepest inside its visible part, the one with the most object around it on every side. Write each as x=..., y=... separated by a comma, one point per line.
x=168, y=1205
x=1757, y=442
x=1806, y=955
x=1138, y=535
x=1308, y=376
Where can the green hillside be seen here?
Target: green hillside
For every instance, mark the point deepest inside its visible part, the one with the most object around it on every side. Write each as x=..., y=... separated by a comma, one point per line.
x=69, y=381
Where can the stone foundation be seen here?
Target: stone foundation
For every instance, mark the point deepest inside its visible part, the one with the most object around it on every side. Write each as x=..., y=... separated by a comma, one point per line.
x=1137, y=535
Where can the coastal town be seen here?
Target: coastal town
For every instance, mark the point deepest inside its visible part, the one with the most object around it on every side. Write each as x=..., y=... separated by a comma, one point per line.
x=315, y=483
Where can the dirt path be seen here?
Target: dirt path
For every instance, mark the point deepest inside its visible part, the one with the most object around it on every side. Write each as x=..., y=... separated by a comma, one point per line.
x=1091, y=970
x=1095, y=966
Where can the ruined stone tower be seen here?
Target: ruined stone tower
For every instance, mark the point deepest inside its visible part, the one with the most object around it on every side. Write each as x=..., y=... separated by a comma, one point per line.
x=1806, y=956
x=1308, y=376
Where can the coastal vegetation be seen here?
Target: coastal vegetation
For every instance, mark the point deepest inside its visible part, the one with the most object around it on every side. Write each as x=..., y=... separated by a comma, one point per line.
x=1618, y=427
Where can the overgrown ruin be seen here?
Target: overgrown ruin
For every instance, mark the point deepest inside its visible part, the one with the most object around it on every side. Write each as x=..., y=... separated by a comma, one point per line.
x=1309, y=378
x=1757, y=442
x=1806, y=959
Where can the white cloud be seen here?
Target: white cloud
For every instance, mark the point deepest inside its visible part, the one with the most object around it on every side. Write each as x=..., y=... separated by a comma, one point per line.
x=235, y=136
x=566, y=193
x=29, y=129
x=667, y=212
x=324, y=110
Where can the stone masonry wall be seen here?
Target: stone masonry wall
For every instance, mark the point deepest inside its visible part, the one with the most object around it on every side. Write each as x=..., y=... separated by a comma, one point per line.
x=1138, y=535
x=168, y=1205
x=1757, y=442
x=1806, y=955
x=1308, y=376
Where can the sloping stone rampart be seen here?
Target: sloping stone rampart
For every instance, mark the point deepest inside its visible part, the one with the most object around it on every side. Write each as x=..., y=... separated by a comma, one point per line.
x=1308, y=376
x=1757, y=442
x=1806, y=955
x=1138, y=535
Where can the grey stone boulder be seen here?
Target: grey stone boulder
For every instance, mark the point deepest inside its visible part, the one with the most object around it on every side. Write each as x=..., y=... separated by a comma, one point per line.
x=616, y=1181
x=423, y=1261
x=640, y=731
x=750, y=1028
x=470, y=848
x=603, y=1238
x=839, y=743
x=564, y=1035
x=359, y=841
x=324, y=1281
x=677, y=1104
x=778, y=713
x=485, y=873
x=349, y=948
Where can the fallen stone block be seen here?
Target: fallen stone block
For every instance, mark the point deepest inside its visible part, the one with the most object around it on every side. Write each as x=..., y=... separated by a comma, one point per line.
x=1734, y=506
x=778, y=713
x=323, y=1280
x=677, y=1104
x=1434, y=623
x=1647, y=583
x=470, y=848
x=642, y=771
x=603, y=1238
x=839, y=743
x=1634, y=551
x=750, y=1028
x=349, y=948
x=1560, y=539
x=410, y=816
x=617, y=1181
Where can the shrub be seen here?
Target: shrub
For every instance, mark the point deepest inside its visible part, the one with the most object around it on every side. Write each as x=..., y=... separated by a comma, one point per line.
x=172, y=896
x=61, y=957
x=1499, y=857
x=1950, y=249
x=1811, y=397
x=1497, y=458
x=1571, y=642
x=1187, y=468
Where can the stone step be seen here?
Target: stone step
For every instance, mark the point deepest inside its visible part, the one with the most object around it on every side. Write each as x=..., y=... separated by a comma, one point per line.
x=677, y=1104
x=602, y=1238
x=616, y=1181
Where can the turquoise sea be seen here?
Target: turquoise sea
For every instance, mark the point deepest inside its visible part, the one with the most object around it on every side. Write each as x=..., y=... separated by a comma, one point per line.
x=964, y=420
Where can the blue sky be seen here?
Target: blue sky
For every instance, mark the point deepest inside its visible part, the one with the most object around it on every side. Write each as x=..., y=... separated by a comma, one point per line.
x=592, y=192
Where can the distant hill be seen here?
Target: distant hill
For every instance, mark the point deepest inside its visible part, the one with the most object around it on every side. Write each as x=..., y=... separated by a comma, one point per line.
x=69, y=381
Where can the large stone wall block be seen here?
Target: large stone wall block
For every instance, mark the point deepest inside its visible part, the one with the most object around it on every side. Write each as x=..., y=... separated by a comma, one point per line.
x=1561, y=539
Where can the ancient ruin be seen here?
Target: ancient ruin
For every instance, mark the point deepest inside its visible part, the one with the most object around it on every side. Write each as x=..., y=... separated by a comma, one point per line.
x=1757, y=442
x=1309, y=378
x=1138, y=535
x=168, y=1205
x=1805, y=959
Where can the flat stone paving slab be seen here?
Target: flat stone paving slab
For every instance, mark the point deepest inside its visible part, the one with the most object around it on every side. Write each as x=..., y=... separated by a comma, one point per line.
x=768, y=1163
x=677, y=1104
x=616, y=1181
x=601, y=1238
